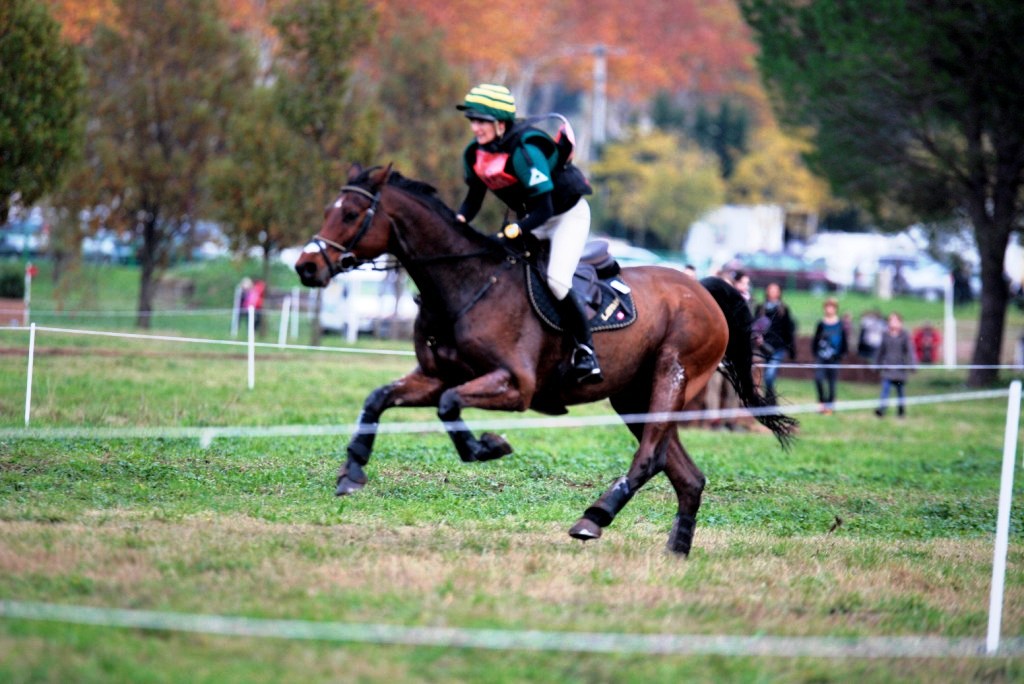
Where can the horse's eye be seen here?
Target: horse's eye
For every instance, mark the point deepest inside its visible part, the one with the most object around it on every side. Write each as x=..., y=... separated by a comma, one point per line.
x=349, y=216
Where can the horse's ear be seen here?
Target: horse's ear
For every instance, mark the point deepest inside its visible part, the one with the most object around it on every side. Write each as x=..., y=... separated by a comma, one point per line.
x=381, y=177
x=354, y=171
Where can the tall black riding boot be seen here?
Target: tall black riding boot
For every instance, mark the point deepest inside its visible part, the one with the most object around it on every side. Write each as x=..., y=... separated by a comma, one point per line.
x=585, y=369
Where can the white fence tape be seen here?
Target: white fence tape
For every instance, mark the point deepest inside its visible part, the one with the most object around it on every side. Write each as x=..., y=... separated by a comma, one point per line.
x=206, y=434
x=525, y=640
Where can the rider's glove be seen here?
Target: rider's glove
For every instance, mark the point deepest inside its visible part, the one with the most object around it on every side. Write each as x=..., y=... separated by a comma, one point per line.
x=511, y=231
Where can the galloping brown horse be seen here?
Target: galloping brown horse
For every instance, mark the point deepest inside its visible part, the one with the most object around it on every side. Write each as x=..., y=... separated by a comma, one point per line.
x=479, y=344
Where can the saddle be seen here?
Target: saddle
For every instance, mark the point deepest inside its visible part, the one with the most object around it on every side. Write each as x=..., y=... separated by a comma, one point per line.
x=608, y=299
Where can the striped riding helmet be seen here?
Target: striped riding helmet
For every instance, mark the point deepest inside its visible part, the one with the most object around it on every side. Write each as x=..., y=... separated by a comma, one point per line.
x=489, y=102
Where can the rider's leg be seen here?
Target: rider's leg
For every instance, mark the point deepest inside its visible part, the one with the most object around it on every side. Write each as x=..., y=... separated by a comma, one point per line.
x=568, y=234
x=584, y=362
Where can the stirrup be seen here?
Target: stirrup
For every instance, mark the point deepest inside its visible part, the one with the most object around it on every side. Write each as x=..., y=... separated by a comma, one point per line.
x=585, y=368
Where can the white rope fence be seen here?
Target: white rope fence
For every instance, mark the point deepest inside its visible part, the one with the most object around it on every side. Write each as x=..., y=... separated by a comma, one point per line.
x=528, y=640
x=519, y=640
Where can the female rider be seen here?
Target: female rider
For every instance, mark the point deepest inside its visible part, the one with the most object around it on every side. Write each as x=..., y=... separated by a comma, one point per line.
x=522, y=167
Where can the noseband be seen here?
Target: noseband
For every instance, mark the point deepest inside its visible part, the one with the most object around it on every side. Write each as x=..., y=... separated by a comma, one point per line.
x=347, y=260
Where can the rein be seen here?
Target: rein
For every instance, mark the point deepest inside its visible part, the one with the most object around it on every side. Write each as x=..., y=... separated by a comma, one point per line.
x=347, y=260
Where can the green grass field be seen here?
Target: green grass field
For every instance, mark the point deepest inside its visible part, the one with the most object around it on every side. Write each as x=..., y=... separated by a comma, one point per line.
x=865, y=528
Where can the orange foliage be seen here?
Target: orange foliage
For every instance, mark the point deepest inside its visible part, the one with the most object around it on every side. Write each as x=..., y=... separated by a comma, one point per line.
x=682, y=45
x=78, y=17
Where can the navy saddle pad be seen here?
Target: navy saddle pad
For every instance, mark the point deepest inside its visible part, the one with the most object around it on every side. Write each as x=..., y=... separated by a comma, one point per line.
x=609, y=300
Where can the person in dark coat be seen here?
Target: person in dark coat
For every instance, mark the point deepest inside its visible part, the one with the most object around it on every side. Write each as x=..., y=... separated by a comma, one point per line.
x=896, y=360
x=775, y=329
x=829, y=346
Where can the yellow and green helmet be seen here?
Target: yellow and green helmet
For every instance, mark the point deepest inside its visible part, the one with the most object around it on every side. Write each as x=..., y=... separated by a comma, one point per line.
x=489, y=102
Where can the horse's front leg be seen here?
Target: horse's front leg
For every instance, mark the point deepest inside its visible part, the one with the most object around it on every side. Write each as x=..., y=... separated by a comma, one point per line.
x=496, y=391
x=415, y=389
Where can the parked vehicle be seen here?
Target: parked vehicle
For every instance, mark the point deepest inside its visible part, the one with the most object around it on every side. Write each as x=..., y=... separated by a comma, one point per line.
x=790, y=271
x=24, y=238
x=363, y=301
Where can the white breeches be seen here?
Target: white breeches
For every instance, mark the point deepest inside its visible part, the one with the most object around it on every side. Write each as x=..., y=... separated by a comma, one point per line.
x=568, y=235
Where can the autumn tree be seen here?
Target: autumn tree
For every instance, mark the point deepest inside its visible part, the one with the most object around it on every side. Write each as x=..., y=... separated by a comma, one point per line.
x=774, y=172
x=317, y=90
x=318, y=94
x=41, y=83
x=654, y=187
x=260, y=188
x=916, y=112
x=421, y=131
x=163, y=83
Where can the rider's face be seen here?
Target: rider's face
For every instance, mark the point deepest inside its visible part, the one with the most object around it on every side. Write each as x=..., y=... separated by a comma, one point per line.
x=484, y=131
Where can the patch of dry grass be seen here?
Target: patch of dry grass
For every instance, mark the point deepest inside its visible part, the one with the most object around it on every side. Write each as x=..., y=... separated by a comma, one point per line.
x=537, y=579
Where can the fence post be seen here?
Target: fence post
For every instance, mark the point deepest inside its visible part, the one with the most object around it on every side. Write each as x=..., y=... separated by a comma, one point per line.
x=295, y=313
x=236, y=310
x=949, y=327
x=31, y=364
x=282, y=333
x=252, y=347
x=995, y=606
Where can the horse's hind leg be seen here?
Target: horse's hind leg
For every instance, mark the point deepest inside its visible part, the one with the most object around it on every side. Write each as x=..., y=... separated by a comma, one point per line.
x=659, y=444
x=650, y=455
x=415, y=389
x=688, y=481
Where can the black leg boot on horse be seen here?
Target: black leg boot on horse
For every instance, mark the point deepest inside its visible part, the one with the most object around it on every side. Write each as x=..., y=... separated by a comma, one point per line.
x=585, y=369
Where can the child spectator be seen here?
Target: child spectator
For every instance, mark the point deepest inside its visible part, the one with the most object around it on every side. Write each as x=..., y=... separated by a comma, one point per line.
x=896, y=358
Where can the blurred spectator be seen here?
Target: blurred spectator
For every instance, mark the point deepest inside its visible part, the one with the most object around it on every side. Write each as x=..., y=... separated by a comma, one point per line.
x=962, y=286
x=927, y=342
x=896, y=358
x=776, y=329
x=253, y=296
x=741, y=281
x=872, y=329
x=829, y=346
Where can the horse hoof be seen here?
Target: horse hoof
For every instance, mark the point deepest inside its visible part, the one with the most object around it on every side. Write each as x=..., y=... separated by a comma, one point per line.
x=585, y=530
x=680, y=539
x=495, y=446
x=347, y=486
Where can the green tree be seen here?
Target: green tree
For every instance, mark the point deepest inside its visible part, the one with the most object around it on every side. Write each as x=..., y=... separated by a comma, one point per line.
x=163, y=84
x=424, y=133
x=916, y=111
x=41, y=88
x=318, y=93
x=655, y=188
x=723, y=133
x=260, y=188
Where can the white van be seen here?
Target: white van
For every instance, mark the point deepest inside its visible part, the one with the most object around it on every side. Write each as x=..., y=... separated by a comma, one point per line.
x=364, y=301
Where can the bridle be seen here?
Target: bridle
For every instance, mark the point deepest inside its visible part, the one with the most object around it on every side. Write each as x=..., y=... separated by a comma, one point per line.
x=347, y=260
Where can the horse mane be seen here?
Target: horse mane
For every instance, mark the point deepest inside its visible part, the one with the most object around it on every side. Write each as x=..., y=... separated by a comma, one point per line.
x=419, y=189
x=427, y=194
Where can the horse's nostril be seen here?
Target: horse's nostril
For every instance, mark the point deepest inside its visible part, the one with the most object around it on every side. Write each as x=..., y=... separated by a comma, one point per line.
x=306, y=270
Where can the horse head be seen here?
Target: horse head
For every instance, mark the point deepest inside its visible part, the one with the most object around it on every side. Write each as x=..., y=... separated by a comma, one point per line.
x=353, y=231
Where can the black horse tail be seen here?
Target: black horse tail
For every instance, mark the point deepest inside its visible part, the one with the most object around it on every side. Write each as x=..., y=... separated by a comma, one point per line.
x=738, y=364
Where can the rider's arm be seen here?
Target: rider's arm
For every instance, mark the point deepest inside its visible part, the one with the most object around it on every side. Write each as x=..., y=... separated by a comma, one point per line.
x=534, y=172
x=538, y=210
x=474, y=199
